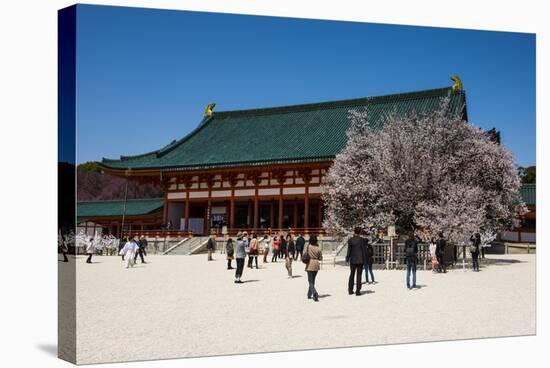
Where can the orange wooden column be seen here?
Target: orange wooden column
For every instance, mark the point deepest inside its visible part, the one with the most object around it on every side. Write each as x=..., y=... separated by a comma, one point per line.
x=256, y=180
x=306, y=177
x=187, y=183
x=295, y=222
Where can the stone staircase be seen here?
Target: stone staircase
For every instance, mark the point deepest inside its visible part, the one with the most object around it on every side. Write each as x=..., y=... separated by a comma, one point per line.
x=188, y=246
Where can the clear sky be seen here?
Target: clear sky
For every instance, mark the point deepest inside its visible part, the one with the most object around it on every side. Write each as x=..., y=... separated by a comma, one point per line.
x=145, y=76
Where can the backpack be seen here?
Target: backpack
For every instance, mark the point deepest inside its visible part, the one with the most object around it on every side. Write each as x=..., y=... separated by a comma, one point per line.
x=370, y=251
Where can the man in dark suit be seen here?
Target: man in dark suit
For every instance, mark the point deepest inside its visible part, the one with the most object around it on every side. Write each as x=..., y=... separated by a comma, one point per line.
x=440, y=246
x=411, y=256
x=300, y=242
x=356, y=258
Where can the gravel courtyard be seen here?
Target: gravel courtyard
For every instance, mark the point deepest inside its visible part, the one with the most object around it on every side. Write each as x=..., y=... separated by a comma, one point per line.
x=184, y=306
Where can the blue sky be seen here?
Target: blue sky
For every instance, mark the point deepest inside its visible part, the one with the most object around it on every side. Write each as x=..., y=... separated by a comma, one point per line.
x=144, y=76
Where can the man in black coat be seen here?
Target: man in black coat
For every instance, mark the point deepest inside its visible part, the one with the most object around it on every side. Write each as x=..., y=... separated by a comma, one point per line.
x=142, y=244
x=411, y=256
x=440, y=246
x=356, y=258
x=300, y=242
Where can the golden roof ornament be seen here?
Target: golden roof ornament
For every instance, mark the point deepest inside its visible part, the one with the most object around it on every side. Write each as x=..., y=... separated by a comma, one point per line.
x=458, y=83
x=209, y=109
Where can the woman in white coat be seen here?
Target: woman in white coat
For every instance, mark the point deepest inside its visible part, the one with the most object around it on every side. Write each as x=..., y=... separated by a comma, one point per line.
x=90, y=247
x=129, y=251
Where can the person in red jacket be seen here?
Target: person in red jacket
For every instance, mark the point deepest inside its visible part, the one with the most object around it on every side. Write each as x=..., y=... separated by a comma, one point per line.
x=276, y=245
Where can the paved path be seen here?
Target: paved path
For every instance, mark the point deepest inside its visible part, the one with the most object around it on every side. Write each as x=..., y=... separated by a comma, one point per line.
x=184, y=306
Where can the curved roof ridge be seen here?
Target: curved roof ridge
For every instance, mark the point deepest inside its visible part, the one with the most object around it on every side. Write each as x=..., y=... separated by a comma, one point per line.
x=338, y=103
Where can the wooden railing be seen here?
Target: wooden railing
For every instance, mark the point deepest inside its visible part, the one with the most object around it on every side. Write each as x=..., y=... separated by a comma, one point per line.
x=159, y=233
x=277, y=231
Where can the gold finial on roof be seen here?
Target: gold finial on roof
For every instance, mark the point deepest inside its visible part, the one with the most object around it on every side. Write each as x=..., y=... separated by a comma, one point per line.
x=208, y=111
x=458, y=83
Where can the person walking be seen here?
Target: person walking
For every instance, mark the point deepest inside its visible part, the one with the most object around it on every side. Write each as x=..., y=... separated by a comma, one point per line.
x=300, y=242
x=229, y=250
x=433, y=255
x=290, y=256
x=276, y=246
x=441, y=244
x=240, y=255
x=282, y=247
x=474, y=250
x=355, y=257
x=253, y=253
x=267, y=240
x=411, y=257
x=63, y=246
x=291, y=246
x=369, y=260
x=211, y=246
x=142, y=244
x=312, y=258
x=90, y=248
x=129, y=251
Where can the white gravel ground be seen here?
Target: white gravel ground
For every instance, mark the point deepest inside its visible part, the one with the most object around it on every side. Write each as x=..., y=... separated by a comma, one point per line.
x=184, y=306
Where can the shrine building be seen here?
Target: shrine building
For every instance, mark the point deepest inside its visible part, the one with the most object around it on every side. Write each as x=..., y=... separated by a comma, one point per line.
x=262, y=168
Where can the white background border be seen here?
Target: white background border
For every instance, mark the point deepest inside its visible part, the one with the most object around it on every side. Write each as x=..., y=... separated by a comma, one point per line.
x=28, y=153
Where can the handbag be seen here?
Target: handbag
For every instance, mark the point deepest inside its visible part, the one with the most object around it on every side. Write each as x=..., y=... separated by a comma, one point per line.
x=306, y=257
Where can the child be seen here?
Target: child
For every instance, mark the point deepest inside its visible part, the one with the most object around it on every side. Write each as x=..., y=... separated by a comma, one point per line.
x=229, y=249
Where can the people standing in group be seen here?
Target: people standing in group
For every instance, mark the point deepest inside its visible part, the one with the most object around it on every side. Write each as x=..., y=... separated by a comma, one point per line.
x=411, y=257
x=240, y=255
x=290, y=255
x=474, y=250
x=90, y=248
x=369, y=260
x=441, y=244
x=276, y=247
x=282, y=247
x=433, y=255
x=253, y=253
x=300, y=243
x=211, y=246
x=266, y=243
x=312, y=257
x=229, y=250
x=129, y=251
x=142, y=244
x=355, y=257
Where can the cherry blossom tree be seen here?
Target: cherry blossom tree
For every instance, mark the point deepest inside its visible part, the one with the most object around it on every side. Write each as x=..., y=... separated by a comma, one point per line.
x=432, y=172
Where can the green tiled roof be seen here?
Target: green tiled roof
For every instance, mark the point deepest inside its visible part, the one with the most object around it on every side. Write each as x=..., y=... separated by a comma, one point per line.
x=86, y=210
x=299, y=133
x=529, y=194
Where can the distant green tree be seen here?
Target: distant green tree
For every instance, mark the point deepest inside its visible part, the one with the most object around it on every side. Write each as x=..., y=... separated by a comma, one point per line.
x=528, y=174
x=89, y=166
